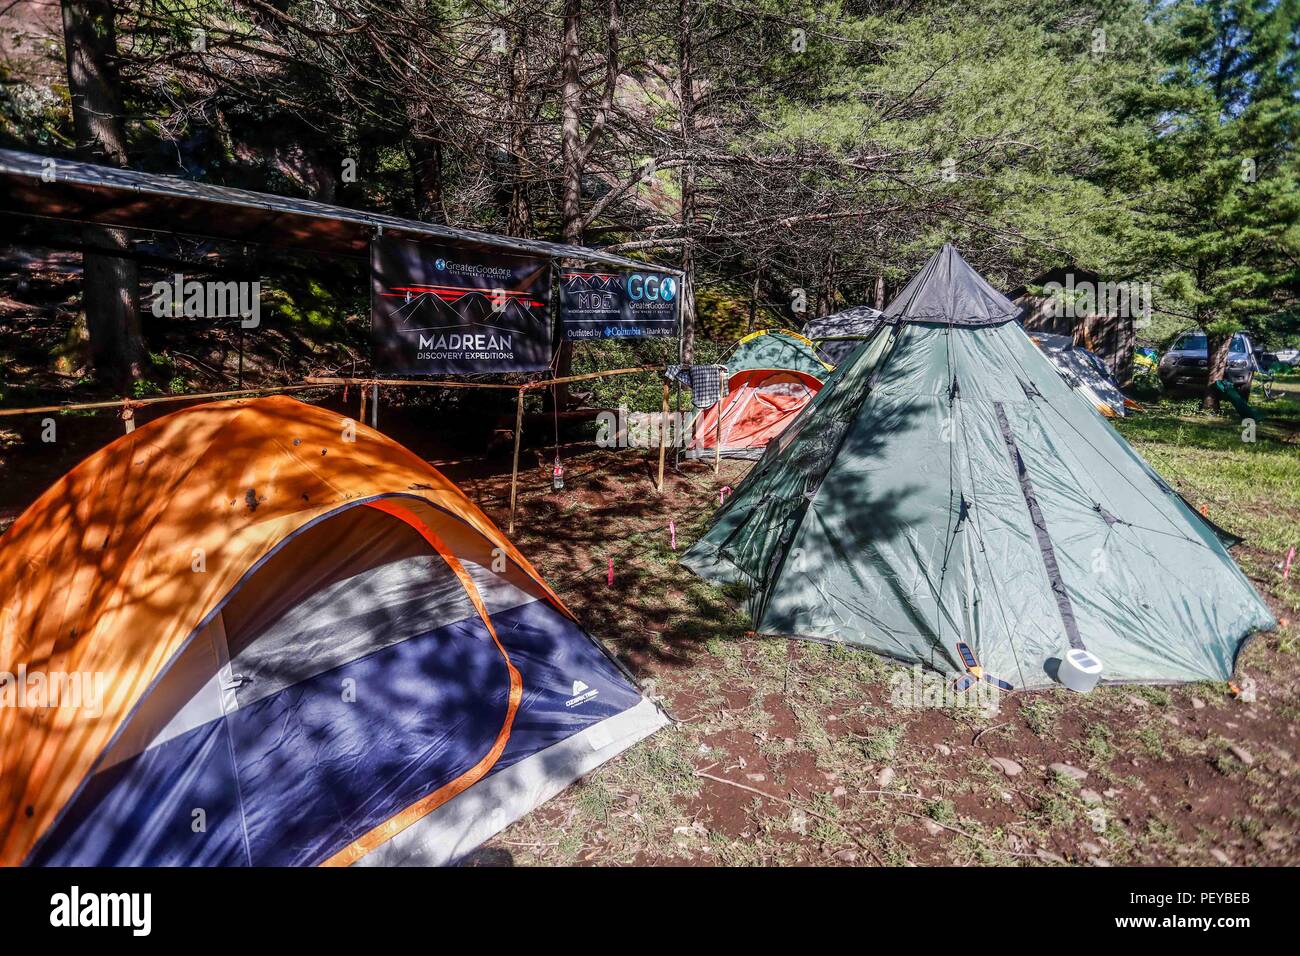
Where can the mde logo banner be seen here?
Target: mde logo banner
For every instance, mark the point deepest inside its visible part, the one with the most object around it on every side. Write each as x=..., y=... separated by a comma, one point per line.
x=617, y=305
x=442, y=311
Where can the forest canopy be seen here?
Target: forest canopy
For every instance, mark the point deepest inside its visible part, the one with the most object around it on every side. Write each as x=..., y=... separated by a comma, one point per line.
x=793, y=158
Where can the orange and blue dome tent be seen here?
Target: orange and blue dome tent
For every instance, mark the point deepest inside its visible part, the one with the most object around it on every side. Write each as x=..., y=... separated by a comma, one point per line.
x=293, y=642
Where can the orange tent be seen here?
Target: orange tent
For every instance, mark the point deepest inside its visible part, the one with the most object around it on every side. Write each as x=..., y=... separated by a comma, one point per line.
x=758, y=406
x=126, y=565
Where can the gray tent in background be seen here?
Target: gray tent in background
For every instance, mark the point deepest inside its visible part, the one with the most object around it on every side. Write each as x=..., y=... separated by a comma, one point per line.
x=1084, y=372
x=946, y=485
x=860, y=321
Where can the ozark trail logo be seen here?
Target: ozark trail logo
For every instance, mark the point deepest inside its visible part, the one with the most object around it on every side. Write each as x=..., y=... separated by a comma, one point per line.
x=581, y=694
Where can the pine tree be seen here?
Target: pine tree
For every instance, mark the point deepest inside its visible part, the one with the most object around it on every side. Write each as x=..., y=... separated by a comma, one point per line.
x=1218, y=210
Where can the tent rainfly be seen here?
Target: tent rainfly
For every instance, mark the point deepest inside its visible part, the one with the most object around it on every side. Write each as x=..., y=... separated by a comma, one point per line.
x=947, y=487
x=839, y=334
x=778, y=349
x=772, y=375
x=1084, y=372
x=303, y=630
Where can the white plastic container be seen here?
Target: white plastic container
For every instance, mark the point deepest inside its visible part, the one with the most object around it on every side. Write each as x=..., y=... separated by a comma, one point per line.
x=1079, y=670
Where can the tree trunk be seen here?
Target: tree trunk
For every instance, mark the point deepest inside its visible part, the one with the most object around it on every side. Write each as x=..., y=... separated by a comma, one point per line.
x=111, y=282
x=827, y=293
x=686, y=109
x=1216, y=352
x=520, y=222
x=425, y=156
x=570, y=129
x=571, y=160
x=426, y=178
x=575, y=150
x=878, y=301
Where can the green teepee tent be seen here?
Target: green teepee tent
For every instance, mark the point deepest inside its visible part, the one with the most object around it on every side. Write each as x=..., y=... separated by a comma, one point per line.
x=947, y=486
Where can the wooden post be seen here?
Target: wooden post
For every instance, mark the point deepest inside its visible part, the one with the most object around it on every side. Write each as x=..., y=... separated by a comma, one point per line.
x=663, y=439
x=362, y=417
x=514, y=470
x=374, y=406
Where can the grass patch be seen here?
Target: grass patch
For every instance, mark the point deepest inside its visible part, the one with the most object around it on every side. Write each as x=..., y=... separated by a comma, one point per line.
x=1097, y=741
x=882, y=744
x=1250, y=487
x=1040, y=715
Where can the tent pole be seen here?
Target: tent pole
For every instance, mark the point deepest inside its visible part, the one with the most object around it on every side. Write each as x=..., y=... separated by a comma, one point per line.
x=677, y=446
x=717, y=444
x=269, y=390
x=514, y=470
x=663, y=439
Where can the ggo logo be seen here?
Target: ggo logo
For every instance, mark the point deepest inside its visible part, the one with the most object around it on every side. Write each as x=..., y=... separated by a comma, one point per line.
x=441, y=264
x=651, y=288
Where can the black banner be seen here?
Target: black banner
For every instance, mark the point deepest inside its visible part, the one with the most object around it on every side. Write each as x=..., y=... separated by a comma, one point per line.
x=437, y=310
x=617, y=305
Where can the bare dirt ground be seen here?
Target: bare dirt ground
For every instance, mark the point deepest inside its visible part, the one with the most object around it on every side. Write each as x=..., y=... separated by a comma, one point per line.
x=792, y=752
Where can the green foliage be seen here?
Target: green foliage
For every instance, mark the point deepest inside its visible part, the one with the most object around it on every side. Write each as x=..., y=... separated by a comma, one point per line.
x=643, y=392
x=32, y=115
x=882, y=743
x=723, y=315
x=1218, y=218
x=313, y=304
x=1146, y=384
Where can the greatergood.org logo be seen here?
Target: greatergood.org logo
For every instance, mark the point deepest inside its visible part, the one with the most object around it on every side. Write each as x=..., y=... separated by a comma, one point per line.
x=441, y=265
x=651, y=288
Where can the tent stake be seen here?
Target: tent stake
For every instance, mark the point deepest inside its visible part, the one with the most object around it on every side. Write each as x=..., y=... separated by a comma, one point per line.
x=514, y=469
x=663, y=439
